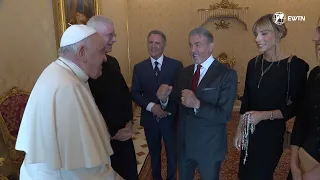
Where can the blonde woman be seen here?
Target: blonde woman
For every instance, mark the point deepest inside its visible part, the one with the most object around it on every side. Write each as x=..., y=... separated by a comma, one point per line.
x=272, y=89
x=306, y=130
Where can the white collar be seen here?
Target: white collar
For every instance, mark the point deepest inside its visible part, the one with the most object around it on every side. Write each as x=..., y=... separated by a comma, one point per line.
x=159, y=60
x=207, y=63
x=76, y=69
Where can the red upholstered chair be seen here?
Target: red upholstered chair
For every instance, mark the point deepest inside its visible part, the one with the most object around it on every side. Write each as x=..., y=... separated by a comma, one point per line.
x=12, y=105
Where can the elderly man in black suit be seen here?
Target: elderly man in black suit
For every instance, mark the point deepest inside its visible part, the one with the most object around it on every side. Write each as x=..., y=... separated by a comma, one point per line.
x=114, y=101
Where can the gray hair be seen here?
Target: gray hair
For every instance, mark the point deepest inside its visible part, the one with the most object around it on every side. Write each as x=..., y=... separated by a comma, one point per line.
x=74, y=48
x=202, y=31
x=159, y=33
x=98, y=20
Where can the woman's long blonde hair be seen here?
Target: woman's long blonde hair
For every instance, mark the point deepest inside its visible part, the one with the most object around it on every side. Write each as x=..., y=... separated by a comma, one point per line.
x=266, y=23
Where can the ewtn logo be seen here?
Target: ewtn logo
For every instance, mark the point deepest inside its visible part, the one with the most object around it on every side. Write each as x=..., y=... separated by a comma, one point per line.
x=279, y=18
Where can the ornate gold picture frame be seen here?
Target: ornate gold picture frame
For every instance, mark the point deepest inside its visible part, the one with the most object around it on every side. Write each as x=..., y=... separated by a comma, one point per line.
x=68, y=12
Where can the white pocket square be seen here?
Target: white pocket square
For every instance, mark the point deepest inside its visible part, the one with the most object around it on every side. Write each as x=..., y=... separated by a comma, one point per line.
x=208, y=89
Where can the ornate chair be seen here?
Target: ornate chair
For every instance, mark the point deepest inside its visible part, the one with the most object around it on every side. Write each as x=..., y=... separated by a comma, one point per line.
x=8, y=169
x=2, y=160
x=12, y=105
x=224, y=59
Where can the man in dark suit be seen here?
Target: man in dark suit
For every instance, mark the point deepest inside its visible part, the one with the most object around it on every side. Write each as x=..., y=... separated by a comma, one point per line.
x=114, y=101
x=157, y=123
x=206, y=92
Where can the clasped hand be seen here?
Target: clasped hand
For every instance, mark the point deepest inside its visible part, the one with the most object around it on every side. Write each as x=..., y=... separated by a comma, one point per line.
x=124, y=133
x=158, y=111
x=163, y=92
x=297, y=174
x=188, y=98
x=254, y=116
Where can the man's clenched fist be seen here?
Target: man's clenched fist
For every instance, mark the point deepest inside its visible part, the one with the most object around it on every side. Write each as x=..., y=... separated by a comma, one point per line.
x=163, y=92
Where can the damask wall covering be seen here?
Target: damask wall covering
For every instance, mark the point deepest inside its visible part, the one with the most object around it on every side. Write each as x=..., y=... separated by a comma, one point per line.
x=27, y=38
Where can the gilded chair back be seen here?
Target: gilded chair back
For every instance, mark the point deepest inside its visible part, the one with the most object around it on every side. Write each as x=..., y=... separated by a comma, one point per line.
x=224, y=59
x=230, y=62
x=12, y=105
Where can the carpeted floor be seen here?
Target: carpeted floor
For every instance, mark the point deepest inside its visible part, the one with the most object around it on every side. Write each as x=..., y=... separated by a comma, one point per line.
x=229, y=168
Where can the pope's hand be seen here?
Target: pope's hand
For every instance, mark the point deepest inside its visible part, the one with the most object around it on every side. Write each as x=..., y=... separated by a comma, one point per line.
x=163, y=92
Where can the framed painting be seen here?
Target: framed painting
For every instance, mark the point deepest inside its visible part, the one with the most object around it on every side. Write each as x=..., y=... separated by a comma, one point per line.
x=68, y=12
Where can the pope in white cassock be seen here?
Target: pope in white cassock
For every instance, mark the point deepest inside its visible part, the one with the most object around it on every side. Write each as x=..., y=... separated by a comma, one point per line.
x=62, y=131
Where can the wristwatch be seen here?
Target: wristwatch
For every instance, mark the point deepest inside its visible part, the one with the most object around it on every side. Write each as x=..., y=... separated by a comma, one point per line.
x=271, y=116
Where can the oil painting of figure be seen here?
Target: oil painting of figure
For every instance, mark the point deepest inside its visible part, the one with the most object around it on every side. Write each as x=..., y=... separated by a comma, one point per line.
x=79, y=11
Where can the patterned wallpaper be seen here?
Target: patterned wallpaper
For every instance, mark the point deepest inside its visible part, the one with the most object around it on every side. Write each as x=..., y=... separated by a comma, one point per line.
x=176, y=18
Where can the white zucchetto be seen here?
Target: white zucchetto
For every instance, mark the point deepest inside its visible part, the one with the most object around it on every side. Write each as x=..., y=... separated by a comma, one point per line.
x=76, y=33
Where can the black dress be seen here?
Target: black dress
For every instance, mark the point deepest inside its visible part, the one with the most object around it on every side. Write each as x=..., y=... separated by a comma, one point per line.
x=266, y=143
x=306, y=129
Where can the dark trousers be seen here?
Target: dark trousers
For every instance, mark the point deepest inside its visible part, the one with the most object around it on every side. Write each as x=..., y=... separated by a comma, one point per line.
x=124, y=161
x=208, y=169
x=154, y=132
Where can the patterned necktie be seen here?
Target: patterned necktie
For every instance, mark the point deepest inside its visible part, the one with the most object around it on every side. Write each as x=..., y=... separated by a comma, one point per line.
x=156, y=68
x=195, y=78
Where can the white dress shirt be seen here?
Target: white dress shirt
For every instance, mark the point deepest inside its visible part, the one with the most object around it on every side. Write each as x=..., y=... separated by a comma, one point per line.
x=204, y=67
x=160, y=61
x=203, y=70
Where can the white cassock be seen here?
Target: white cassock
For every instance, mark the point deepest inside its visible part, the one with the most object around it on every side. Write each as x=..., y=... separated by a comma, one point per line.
x=62, y=131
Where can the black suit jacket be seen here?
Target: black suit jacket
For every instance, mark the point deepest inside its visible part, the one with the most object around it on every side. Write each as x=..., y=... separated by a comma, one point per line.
x=203, y=134
x=112, y=96
x=145, y=84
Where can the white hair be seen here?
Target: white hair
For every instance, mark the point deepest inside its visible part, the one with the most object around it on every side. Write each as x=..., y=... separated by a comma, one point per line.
x=98, y=20
x=74, y=48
